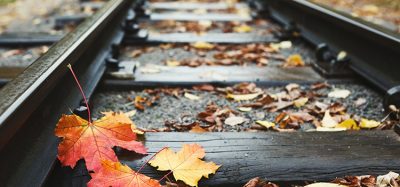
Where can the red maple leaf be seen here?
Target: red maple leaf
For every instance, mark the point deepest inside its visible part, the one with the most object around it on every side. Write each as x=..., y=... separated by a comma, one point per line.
x=116, y=174
x=93, y=141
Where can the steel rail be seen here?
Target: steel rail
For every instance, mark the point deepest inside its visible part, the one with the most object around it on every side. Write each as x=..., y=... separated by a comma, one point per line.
x=31, y=104
x=373, y=50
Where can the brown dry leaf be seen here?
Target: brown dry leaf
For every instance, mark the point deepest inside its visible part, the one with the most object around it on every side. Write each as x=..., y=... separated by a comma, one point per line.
x=294, y=61
x=325, y=184
x=139, y=102
x=197, y=129
x=356, y=181
x=204, y=87
x=136, y=53
x=265, y=100
x=319, y=85
x=292, y=120
x=257, y=182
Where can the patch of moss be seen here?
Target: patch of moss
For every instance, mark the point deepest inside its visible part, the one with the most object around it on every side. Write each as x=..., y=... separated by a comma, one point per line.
x=5, y=2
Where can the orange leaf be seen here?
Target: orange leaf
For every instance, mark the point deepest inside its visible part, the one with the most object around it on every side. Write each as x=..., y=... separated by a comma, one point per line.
x=116, y=174
x=94, y=142
x=186, y=164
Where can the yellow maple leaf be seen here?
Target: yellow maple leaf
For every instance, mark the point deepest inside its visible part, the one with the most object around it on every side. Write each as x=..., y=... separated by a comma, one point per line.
x=202, y=45
x=294, y=61
x=368, y=124
x=348, y=124
x=300, y=102
x=265, y=124
x=242, y=28
x=186, y=165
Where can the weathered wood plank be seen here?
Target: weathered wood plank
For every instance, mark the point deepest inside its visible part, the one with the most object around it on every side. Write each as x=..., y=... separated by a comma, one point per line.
x=281, y=157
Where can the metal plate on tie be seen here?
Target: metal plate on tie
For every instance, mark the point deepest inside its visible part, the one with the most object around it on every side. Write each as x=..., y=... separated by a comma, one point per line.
x=235, y=38
x=193, y=5
x=198, y=17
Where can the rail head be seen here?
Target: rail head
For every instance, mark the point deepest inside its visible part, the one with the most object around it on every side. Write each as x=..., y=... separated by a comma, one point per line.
x=373, y=50
x=28, y=89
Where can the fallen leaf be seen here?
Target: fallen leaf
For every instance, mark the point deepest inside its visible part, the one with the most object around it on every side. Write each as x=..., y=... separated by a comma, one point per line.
x=328, y=121
x=136, y=53
x=123, y=119
x=257, y=182
x=116, y=174
x=339, y=93
x=355, y=181
x=204, y=87
x=279, y=105
x=130, y=113
x=324, y=184
x=386, y=180
x=281, y=45
x=265, y=100
x=243, y=28
x=244, y=109
x=300, y=102
x=186, y=165
x=291, y=87
x=139, y=101
x=191, y=96
x=319, y=85
x=197, y=129
x=202, y=45
x=234, y=120
x=360, y=101
x=265, y=124
x=172, y=63
x=294, y=61
x=242, y=97
x=94, y=141
x=348, y=124
x=368, y=124
x=285, y=44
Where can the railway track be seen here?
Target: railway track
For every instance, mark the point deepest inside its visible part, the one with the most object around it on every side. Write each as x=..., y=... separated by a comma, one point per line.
x=126, y=47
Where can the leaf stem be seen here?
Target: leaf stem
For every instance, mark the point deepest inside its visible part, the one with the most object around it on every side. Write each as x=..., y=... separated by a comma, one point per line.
x=148, y=160
x=81, y=90
x=166, y=175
